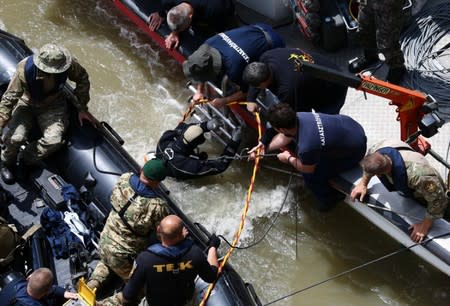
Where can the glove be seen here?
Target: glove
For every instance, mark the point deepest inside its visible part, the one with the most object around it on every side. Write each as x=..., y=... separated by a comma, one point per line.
x=214, y=241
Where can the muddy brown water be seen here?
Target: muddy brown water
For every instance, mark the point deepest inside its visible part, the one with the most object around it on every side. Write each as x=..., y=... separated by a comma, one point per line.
x=140, y=91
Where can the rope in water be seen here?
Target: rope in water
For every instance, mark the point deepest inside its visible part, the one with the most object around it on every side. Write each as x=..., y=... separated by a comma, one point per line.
x=357, y=268
x=243, y=215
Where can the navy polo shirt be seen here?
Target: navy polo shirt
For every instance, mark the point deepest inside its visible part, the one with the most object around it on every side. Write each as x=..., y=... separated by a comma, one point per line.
x=241, y=46
x=328, y=137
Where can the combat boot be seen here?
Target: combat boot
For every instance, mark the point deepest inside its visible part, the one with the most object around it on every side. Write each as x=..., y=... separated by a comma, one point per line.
x=6, y=174
x=360, y=63
x=395, y=74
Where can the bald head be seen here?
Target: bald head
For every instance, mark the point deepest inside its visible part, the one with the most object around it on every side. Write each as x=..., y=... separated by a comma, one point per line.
x=40, y=283
x=171, y=229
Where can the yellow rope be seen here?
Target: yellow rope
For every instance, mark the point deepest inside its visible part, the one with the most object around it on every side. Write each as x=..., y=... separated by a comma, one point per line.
x=243, y=215
x=191, y=108
x=350, y=10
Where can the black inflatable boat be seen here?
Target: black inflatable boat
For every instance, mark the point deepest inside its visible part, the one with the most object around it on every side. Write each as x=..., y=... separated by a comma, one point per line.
x=92, y=161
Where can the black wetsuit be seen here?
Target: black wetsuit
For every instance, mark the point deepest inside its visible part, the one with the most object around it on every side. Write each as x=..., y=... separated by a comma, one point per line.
x=183, y=162
x=168, y=273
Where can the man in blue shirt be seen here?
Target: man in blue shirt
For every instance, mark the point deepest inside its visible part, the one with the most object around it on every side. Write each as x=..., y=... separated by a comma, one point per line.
x=325, y=145
x=226, y=55
x=36, y=290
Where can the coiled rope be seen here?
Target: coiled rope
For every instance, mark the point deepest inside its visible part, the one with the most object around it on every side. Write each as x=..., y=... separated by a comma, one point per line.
x=426, y=62
x=243, y=215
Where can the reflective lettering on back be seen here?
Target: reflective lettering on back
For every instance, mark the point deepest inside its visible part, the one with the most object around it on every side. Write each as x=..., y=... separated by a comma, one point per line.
x=174, y=267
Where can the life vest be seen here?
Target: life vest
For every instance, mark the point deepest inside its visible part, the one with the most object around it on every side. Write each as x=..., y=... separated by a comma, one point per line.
x=398, y=172
x=35, y=86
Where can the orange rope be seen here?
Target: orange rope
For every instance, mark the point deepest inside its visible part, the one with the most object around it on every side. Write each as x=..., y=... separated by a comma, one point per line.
x=243, y=215
x=191, y=108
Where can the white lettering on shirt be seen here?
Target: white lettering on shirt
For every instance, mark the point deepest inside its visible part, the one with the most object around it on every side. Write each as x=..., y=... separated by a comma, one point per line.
x=234, y=46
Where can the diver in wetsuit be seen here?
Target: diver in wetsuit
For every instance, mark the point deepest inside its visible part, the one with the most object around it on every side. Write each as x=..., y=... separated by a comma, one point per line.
x=179, y=147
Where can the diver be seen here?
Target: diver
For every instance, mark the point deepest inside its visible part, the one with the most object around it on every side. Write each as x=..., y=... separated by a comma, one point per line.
x=179, y=148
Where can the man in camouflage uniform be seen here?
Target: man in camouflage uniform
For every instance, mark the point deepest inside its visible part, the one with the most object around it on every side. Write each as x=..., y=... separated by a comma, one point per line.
x=380, y=25
x=136, y=212
x=401, y=168
x=35, y=93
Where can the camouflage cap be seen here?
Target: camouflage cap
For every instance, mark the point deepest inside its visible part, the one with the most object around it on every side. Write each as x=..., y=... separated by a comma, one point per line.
x=52, y=59
x=155, y=170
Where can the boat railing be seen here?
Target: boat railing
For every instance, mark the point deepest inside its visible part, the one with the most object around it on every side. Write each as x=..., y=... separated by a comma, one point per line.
x=206, y=111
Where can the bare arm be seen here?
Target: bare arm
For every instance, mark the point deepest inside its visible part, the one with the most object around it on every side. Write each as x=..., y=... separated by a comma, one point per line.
x=420, y=230
x=199, y=94
x=360, y=190
x=287, y=158
x=237, y=96
x=279, y=141
x=71, y=295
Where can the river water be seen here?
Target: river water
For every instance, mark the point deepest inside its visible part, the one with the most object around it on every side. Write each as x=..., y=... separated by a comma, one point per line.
x=140, y=91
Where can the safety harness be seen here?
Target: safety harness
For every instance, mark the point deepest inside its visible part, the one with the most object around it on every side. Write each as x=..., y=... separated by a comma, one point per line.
x=122, y=211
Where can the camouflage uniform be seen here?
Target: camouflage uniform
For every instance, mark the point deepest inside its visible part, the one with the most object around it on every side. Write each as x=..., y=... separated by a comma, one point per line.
x=51, y=113
x=423, y=179
x=119, y=245
x=380, y=25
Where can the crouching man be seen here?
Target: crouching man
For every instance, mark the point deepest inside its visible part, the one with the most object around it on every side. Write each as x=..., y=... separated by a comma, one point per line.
x=402, y=169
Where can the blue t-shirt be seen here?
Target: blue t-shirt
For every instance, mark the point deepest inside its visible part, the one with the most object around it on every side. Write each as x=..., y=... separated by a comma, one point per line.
x=241, y=46
x=331, y=137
